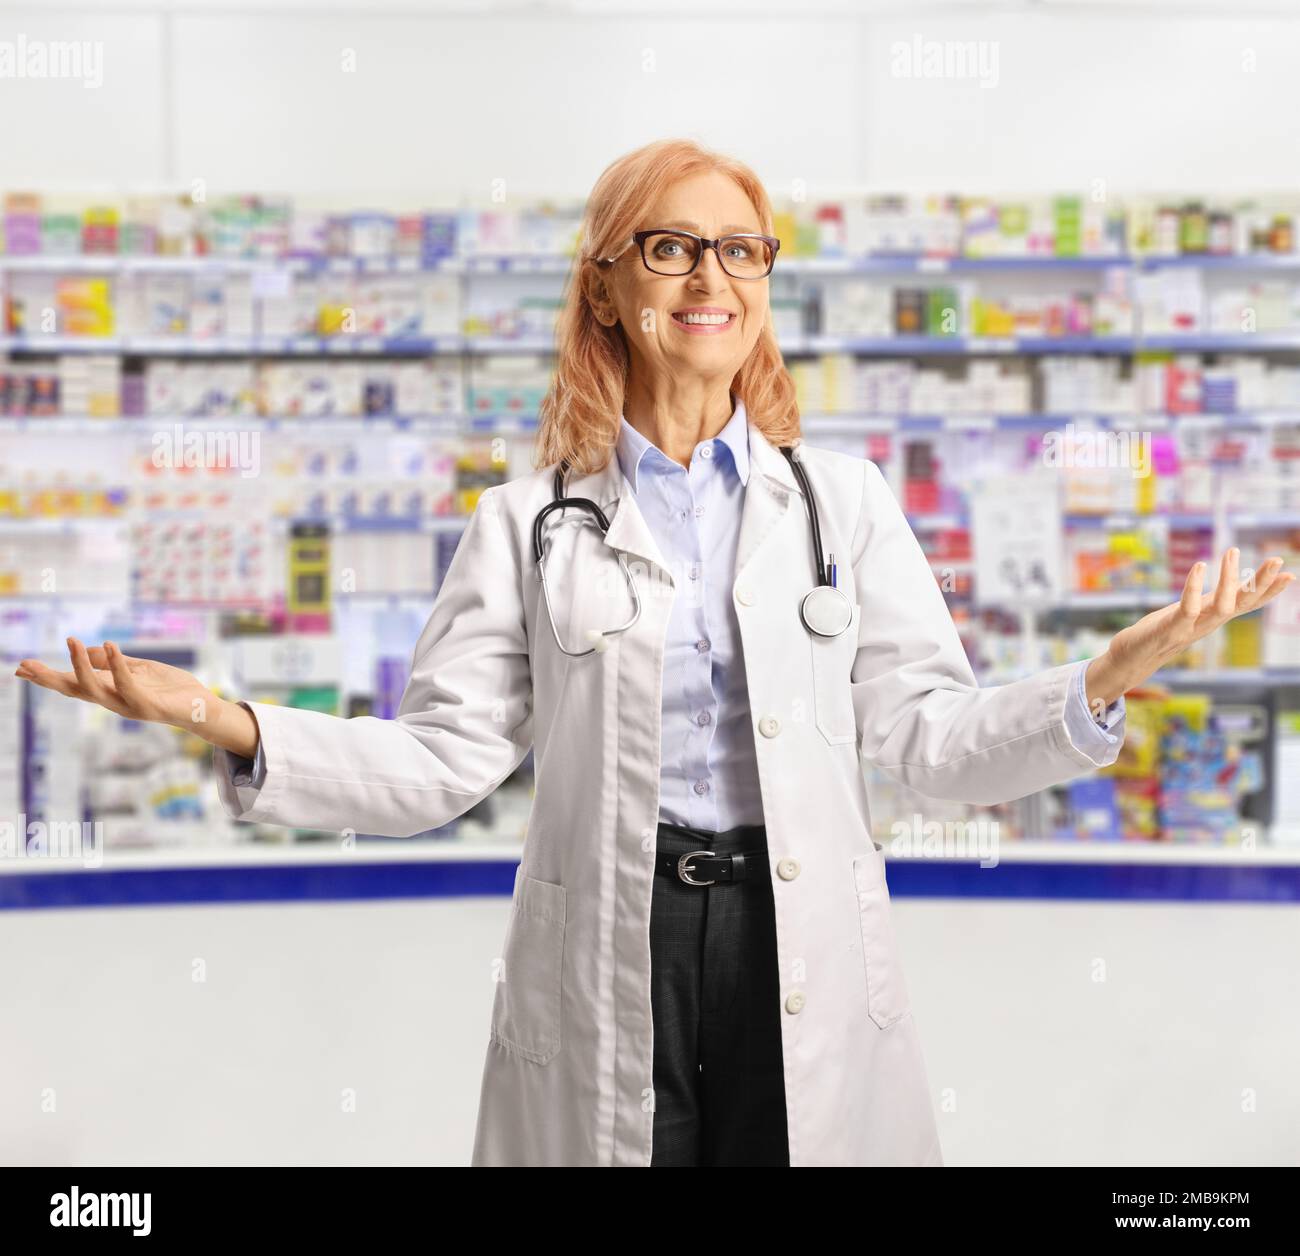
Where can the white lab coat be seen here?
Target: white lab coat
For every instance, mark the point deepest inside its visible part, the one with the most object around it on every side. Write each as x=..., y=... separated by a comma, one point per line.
x=568, y=1074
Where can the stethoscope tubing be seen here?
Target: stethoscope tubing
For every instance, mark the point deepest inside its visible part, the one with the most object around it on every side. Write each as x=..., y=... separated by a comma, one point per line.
x=560, y=503
x=801, y=474
x=825, y=576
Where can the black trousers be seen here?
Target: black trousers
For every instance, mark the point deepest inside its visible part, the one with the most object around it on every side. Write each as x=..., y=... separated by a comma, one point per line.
x=719, y=1090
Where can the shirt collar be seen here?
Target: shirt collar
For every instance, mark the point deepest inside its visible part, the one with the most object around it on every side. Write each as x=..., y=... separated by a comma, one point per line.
x=633, y=446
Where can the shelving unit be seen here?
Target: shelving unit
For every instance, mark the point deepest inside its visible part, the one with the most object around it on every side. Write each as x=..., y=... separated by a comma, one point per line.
x=804, y=287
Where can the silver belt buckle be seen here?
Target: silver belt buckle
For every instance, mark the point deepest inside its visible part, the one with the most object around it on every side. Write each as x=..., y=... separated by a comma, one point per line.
x=682, y=872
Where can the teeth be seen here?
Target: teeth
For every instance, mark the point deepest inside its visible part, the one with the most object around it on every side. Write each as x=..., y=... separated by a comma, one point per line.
x=709, y=319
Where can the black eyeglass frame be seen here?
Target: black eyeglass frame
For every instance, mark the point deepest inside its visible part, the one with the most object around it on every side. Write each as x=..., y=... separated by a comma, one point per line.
x=640, y=237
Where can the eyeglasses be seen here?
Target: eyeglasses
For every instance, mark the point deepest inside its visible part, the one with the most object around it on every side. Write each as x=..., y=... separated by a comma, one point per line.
x=665, y=252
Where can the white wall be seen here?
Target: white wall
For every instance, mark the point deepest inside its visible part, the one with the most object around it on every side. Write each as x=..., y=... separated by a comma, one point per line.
x=447, y=98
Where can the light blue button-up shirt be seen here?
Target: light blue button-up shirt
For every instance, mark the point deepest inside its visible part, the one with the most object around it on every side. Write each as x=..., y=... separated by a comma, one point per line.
x=709, y=765
x=710, y=769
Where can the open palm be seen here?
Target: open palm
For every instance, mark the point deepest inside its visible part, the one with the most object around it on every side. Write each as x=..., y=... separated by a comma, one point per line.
x=139, y=689
x=1155, y=639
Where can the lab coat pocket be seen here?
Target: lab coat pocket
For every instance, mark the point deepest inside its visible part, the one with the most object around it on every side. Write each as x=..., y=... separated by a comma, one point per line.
x=832, y=668
x=526, y=1008
x=887, y=999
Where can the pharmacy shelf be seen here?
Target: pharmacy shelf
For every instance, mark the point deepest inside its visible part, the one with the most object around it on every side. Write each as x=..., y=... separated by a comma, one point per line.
x=1244, y=676
x=1231, y=520
x=793, y=345
x=338, y=523
x=271, y=346
x=406, y=600
x=919, y=264
x=306, y=346
x=108, y=264
x=963, y=346
x=1173, y=520
x=850, y=421
x=531, y=264
x=1209, y=342
x=840, y=422
x=127, y=425
x=459, y=423
x=1119, y=600
x=1030, y=346
x=1076, y=601
x=114, y=263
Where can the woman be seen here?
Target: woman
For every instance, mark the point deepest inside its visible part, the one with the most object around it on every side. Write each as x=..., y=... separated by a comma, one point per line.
x=699, y=966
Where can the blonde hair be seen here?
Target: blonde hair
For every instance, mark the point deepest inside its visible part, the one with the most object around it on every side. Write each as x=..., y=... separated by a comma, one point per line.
x=578, y=420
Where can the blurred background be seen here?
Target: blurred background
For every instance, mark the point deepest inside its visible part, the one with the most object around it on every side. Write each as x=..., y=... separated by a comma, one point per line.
x=279, y=285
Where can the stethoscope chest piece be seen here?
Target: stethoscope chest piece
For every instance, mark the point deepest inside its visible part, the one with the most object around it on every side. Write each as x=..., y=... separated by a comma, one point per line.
x=826, y=611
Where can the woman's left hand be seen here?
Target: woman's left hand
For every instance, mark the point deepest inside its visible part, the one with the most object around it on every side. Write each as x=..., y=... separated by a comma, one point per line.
x=1148, y=645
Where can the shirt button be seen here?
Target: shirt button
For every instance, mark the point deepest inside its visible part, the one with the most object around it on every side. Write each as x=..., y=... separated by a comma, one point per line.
x=699, y=510
x=701, y=787
x=694, y=572
x=769, y=726
x=794, y=1003
x=703, y=718
x=706, y=451
x=701, y=645
x=787, y=869
x=745, y=596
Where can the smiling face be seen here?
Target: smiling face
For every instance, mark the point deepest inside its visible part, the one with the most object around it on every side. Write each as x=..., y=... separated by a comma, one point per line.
x=702, y=325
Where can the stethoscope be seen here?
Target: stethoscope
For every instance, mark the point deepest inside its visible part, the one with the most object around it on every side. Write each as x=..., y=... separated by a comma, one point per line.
x=825, y=610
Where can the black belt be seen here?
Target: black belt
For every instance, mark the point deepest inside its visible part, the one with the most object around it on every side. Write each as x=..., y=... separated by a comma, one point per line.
x=701, y=867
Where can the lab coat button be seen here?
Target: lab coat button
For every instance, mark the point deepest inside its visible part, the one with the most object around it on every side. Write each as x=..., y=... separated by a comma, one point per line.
x=794, y=1003
x=769, y=726
x=787, y=869
x=745, y=597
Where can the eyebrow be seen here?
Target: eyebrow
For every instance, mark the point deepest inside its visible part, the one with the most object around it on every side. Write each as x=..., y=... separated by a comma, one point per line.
x=729, y=229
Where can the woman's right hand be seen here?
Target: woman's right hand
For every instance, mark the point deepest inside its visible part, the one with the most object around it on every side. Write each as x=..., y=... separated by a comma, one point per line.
x=144, y=689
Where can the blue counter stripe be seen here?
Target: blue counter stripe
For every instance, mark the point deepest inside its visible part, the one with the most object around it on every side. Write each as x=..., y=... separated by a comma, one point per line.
x=317, y=882
x=1180, y=883
x=336, y=882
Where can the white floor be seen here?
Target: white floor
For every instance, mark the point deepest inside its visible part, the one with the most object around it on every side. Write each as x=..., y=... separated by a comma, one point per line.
x=1184, y=1054
x=112, y=1053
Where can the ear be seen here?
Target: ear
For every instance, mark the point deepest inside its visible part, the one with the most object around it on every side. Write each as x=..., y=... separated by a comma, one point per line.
x=593, y=286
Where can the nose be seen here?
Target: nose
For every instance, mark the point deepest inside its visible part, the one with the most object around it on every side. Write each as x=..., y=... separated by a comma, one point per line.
x=711, y=258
